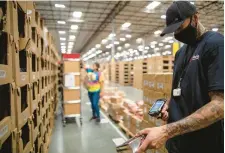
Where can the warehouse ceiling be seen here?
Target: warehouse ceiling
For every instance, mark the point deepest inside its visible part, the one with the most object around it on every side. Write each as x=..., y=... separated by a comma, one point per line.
x=99, y=18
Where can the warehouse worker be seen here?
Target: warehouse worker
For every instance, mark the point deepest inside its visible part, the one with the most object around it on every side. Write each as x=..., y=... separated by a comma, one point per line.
x=196, y=109
x=95, y=85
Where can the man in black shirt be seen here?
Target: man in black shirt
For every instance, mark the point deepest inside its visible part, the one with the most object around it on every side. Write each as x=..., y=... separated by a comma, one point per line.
x=195, y=111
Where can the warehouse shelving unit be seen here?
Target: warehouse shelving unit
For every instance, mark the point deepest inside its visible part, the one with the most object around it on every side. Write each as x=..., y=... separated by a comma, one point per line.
x=71, y=87
x=28, y=80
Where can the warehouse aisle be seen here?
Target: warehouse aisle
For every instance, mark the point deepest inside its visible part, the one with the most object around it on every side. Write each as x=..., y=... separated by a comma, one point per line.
x=91, y=137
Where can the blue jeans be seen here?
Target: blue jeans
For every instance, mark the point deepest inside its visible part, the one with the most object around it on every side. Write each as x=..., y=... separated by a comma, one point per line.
x=94, y=98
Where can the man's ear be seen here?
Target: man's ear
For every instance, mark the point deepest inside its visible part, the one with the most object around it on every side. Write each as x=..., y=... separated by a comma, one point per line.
x=195, y=19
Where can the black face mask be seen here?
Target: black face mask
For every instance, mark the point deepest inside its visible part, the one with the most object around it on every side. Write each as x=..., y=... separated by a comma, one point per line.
x=187, y=35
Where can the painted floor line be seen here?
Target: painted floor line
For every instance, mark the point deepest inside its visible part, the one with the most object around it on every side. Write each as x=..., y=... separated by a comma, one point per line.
x=116, y=128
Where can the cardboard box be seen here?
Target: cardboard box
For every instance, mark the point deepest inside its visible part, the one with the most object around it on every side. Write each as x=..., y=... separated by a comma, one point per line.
x=7, y=109
x=146, y=111
x=10, y=144
x=35, y=97
x=22, y=105
x=116, y=99
x=25, y=136
x=11, y=20
x=158, y=95
x=5, y=129
x=8, y=47
x=71, y=66
x=21, y=67
x=72, y=109
x=160, y=82
x=71, y=94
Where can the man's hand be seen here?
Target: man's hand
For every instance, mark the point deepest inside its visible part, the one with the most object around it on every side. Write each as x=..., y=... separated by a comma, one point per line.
x=164, y=112
x=155, y=138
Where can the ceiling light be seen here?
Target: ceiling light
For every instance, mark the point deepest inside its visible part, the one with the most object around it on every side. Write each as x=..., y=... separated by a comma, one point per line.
x=161, y=44
x=139, y=40
x=70, y=46
x=108, y=46
x=153, y=5
x=215, y=29
x=71, y=43
x=156, y=49
x=163, y=17
x=62, y=32
x=60, y=5
x=130, y=50
x=74, y=27
x=147, y=48
x=63, y=51
x=112, y=35
x=77, y=14
x=72, y=37
x=171, y=41
x=75, y=20
x=154, y=42
x=119, y=48
x=116, y=42
x=168, y=38
x=61, y=22
x=99, y=52
x=126, y=25
x=127, y=45
x=63, y=47
x=152, y=46
x=167, y=46
x=97, y=45
x=157, y=32
x=128, y=36
x=104, y=41
x=122, y=39
x=63, y=43
x=63, y=39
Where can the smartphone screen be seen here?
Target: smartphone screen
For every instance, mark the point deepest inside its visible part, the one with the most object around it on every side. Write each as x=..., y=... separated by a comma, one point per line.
x=157, y=106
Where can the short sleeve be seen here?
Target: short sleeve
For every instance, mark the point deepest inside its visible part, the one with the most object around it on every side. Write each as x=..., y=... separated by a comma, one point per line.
x=215, y=68
x=89, y=70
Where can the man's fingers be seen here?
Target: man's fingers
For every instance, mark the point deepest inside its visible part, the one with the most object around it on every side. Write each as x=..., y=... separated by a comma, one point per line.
x=165, y=116
x=165, y=108
x=143, y=147
x=142, y=132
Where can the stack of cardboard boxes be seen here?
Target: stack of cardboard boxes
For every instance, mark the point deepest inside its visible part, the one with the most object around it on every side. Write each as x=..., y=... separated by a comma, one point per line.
x=117, y=72
x=113, y=71
x=28, y=80
x=156, y=86
x=125, y=73
x=159, y=64
x=71, y=92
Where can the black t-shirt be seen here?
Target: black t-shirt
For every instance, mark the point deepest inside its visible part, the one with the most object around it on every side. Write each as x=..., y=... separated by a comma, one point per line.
x=204, y=64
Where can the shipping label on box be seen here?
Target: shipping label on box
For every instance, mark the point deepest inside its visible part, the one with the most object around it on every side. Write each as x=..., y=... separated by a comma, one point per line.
x=151, y=85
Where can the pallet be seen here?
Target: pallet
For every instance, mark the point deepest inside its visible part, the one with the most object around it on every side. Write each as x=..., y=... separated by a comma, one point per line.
x=116, y=121
x=126, y=130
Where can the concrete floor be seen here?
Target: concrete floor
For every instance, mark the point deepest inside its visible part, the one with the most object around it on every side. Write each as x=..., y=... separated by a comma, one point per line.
x=91, y=137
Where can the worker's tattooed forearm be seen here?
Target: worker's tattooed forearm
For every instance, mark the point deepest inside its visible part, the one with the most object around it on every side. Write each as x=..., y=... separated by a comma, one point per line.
x=205, y=116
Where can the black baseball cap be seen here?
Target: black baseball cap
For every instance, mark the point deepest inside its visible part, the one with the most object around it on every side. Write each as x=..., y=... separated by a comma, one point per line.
x=176, y=14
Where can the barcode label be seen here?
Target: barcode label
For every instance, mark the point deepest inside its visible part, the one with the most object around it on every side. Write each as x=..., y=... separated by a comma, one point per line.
x=3, y=131
x=2, y=74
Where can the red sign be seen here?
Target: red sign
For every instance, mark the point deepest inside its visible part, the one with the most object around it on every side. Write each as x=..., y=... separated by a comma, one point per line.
x=70, y=56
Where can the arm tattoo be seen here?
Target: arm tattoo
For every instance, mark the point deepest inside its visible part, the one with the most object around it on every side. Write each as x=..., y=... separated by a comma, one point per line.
x=203, y=117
